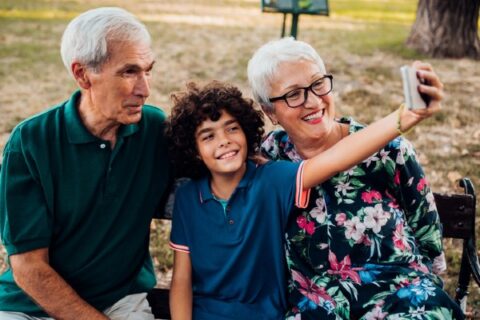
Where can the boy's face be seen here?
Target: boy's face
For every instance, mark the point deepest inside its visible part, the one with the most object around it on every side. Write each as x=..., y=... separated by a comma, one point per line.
x=222, y=146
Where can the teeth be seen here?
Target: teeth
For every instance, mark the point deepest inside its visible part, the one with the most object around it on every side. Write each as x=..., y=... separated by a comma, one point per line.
x=228, y=155
x=316, y=115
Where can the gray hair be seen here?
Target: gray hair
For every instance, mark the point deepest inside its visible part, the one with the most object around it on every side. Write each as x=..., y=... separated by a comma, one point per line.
x=264, y=63
x=86, y=37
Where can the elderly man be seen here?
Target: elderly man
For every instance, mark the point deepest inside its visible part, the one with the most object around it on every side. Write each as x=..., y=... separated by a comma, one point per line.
x=81, y=181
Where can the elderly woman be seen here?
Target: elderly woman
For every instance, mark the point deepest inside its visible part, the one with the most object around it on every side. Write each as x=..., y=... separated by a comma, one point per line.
x=364, y=247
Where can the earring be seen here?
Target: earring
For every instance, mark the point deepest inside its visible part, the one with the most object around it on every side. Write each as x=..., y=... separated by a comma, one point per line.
x=274, y=122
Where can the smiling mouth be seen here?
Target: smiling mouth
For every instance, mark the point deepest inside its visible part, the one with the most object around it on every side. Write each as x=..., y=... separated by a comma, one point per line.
x=227, y=155
x=314, y=116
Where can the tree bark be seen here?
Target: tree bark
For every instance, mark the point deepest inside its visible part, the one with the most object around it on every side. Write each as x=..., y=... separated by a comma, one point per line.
x=446, y=29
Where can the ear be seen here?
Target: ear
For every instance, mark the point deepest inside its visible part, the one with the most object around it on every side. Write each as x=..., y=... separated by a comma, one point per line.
x=81, y=75
x=270, y=112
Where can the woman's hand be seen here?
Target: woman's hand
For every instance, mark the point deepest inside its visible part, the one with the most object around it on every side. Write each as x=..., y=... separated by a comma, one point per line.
x=432, y=87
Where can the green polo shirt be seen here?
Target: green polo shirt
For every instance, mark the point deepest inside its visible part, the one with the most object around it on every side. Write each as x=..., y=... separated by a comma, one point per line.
x=65, y=189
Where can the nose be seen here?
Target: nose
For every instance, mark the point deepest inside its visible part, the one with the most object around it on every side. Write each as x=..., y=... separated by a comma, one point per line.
x=142, y=85
x=223, y=140
x=311, y=100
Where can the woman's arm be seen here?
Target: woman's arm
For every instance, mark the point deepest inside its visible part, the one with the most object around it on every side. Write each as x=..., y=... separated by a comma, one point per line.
x=181, y=289
x=360, y=145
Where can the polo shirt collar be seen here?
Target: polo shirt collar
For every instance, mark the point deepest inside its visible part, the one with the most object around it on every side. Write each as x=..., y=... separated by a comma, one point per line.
x=77, y=133
x=205, y=193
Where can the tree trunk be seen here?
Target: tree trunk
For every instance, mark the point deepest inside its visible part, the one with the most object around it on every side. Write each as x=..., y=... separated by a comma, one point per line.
x=446, y=29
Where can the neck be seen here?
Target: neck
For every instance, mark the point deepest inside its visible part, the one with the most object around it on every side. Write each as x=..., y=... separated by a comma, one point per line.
x=223, y=185
x=96, y=123
x=308, y=149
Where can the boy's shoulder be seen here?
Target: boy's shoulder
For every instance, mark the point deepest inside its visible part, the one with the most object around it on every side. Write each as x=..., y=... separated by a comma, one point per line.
x=276, y=168
x=184, y=185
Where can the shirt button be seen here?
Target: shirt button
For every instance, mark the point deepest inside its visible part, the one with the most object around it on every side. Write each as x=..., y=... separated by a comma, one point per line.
x=231, y=221
x=228, y=208
x=103, y=146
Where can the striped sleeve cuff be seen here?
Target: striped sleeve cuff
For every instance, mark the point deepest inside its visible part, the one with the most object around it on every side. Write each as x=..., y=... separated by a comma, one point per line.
x=301, y=196
x=178, y=247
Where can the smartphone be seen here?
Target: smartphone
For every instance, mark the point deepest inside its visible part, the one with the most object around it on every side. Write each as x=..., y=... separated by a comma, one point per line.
x=413, y=98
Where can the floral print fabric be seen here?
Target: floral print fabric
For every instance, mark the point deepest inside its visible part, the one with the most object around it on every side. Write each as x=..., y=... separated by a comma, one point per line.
x=364, y=246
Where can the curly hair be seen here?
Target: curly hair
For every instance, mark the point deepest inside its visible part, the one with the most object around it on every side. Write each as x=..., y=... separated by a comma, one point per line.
x=196, y=105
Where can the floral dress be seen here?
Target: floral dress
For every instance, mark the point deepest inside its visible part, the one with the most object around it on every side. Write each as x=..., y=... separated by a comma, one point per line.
x=364, y=246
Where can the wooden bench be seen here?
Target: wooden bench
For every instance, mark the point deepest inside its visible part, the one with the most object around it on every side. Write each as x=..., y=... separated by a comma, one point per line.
x=295, y=8
x=457, y=213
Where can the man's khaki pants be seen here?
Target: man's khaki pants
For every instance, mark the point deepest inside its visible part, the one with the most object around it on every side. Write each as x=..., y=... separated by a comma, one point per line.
x=132, y=307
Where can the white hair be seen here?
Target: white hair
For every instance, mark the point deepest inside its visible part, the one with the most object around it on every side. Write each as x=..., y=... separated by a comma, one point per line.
x=86, y=38
x=264, y=63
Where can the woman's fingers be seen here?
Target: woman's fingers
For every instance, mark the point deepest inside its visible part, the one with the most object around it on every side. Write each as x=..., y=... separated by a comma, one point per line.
x=433, y=92
x=433, y=108
x=419, y=65
x=431, y=86
x=430, y=78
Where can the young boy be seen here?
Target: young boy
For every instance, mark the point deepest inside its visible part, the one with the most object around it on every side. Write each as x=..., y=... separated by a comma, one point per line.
x=228, y=222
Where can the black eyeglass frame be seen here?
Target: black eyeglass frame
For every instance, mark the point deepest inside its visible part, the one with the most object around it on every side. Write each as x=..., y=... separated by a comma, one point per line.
x=305, y=92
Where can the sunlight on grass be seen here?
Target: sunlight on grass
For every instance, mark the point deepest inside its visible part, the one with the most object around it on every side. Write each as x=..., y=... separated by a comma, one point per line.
x=374, y=5
x=369, y=16
x=383, y=37
x=37, y=14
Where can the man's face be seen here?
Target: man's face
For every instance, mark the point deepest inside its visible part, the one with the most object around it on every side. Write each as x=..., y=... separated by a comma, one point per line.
x=118, y=91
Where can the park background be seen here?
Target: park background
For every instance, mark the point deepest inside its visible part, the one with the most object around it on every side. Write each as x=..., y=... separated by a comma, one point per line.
x=362, y=43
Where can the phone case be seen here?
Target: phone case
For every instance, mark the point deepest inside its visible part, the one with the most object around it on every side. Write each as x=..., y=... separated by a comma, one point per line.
x=413, y=99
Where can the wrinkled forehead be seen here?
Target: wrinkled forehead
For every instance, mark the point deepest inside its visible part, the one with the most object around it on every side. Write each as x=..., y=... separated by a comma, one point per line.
x=293, y=73
x=130, y=52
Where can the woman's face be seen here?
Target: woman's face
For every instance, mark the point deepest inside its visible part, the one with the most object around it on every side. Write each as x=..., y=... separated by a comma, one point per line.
x=314, y=119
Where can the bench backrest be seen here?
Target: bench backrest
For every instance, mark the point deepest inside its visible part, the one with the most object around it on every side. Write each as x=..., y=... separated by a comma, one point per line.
x=457, y=214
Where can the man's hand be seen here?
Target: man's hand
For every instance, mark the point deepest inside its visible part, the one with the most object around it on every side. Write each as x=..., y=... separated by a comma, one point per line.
x=34, y=275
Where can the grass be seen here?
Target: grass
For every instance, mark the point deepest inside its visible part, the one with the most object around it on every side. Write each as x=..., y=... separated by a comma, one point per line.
x=362, y=43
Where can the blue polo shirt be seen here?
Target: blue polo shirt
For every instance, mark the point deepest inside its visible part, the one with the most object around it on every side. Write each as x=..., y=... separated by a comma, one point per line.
x=237, y=255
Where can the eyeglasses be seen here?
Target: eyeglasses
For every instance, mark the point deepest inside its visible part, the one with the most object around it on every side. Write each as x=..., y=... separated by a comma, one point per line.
x=297, y=97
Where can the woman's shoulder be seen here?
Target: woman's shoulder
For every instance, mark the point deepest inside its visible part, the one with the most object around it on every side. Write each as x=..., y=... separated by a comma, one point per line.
x=278, y=146
x=275, y=139
x=186, y=187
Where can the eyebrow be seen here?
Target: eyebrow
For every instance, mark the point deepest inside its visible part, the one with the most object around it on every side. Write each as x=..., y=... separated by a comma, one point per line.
x=209, y=129
x=296, y=86
x=135, y=67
